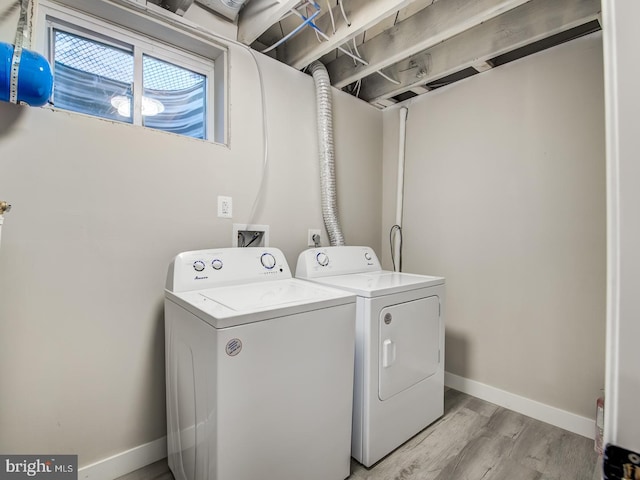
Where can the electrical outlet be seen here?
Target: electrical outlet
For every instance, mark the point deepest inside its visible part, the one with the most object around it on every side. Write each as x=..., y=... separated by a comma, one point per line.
x=310, y=234
x=225, y=207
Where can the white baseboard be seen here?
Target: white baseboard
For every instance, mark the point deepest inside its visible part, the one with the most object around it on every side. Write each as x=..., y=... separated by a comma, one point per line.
x=531, y=408
x=125, y=462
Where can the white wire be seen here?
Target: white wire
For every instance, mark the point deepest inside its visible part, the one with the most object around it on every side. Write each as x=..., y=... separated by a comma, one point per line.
x=293, y=32
x=355, y=47
x=263, y=104
x=344, y=15
x=314, y=30
x=265, y=137
x=387, y=77
x=379, y=72
x=357, y=57
x=227, y=41
x=356, y=50
x=333, y=22
x=287, y=14
x=355, y=63
x=326, y=37
x=265, y=133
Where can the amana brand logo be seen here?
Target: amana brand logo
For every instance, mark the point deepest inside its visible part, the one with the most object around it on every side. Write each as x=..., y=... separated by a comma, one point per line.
x=50, y=467
x=200, y=278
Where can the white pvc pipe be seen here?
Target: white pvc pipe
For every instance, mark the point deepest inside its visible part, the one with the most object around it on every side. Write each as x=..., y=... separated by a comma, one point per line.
x=1, y=222
x=400, y=188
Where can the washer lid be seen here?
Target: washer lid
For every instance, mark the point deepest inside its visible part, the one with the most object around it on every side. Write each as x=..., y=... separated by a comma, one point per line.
x=380, y=283
x=239, y=304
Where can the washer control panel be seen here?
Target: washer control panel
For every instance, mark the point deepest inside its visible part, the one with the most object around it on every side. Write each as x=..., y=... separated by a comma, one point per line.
x=327, y=261
x=201, y=269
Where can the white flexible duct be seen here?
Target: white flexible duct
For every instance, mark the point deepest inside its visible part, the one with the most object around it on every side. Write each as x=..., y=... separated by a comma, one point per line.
x=326, y=153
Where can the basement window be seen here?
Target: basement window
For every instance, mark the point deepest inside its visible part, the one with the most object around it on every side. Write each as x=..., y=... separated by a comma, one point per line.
x=104, y=70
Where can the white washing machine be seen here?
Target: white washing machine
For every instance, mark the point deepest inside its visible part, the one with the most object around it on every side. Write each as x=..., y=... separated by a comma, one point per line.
x=399, y=366
x=258, y=369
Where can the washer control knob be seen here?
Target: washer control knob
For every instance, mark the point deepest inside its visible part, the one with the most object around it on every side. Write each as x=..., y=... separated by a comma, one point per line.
x=216, y=264
x=198, y=265
x=323, y=259
x=268, y=261
x=367, y=255
x=387, y=318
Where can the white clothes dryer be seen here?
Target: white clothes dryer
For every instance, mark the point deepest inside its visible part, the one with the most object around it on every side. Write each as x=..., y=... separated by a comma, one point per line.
x=399, y=365
x=258, y=369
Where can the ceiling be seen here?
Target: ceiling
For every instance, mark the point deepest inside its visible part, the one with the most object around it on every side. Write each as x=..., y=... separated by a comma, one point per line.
x=406, y=48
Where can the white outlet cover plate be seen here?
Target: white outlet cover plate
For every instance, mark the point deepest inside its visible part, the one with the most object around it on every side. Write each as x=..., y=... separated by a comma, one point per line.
x=225, y=207
x=310, y=234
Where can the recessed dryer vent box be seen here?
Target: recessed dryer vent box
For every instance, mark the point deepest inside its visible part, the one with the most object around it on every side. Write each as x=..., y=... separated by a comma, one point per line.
x=250, y=235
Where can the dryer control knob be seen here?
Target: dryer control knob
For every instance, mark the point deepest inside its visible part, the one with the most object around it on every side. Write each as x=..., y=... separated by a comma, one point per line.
x=367, y=255
x=323, y=259
x=268, y=260
x=198, y=265
x=216, y=264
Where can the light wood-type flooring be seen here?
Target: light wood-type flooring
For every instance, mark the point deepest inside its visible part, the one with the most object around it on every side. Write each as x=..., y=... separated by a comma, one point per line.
x=474, y=440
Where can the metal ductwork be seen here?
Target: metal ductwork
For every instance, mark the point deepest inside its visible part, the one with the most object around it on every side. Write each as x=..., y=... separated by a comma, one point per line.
x=175, y=6
x=326, y=153
x=227, y=8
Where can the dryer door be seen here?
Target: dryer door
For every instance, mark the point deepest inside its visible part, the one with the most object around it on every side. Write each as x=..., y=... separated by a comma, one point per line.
x=409, y=344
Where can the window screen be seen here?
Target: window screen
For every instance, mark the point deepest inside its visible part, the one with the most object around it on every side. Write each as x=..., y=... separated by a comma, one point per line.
x=88, y=75
x=103, y=78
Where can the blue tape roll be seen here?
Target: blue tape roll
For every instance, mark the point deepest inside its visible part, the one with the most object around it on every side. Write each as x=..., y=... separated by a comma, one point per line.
x=35, y=80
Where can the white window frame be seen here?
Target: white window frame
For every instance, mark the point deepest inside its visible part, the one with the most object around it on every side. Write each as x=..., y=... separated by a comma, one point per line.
x=200, y=56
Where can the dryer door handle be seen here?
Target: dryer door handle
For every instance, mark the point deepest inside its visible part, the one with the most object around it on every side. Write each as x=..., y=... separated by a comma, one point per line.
x=388, y=353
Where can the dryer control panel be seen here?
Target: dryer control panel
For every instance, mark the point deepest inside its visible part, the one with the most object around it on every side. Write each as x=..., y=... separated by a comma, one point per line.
x=327, y=261
x=201, y=269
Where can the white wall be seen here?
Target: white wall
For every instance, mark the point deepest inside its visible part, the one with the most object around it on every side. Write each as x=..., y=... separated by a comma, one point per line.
x=622, y=37
x=99, y=211
x=505, y=197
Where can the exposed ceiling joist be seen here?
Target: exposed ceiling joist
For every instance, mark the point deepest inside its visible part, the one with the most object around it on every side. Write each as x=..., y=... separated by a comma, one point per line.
x=257, y=16
x=482, y=65
x=386, y=103
x=522, y=26
x=428, y=27
x=410, y=47
x=419, y=89
x=304, y=48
